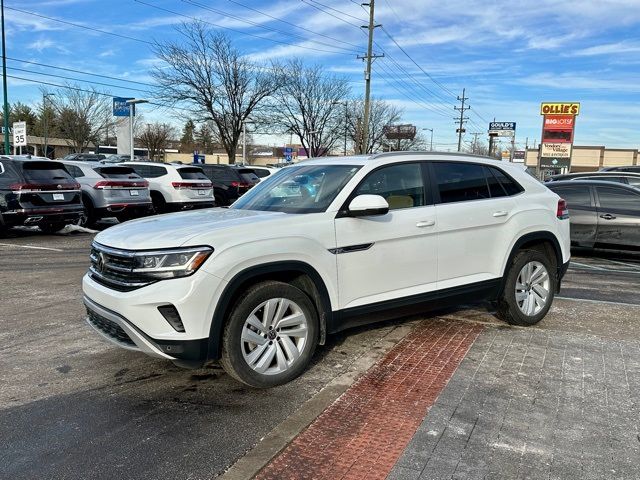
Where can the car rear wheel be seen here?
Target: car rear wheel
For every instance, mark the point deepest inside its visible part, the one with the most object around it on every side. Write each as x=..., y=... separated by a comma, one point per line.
x=270, y=336
x=87, y=218
x=529, y=289
x=159, y=204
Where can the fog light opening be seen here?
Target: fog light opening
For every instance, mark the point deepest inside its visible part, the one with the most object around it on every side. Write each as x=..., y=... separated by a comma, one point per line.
x=172, y=316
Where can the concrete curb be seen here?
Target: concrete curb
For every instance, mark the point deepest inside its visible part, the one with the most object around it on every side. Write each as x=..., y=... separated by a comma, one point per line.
x=276, y=440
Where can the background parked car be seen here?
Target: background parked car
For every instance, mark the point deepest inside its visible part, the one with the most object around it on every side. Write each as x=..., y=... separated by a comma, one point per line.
x=231, y=178
x=110, y=191
x=84, y=157
x=119, y=158
x=603, y=214
x=263, y=172
x=37, y=192
x=630, y=168
x=175, y=187
x=628, y=178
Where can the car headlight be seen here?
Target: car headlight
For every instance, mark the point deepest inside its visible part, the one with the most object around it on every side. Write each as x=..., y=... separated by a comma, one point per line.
x=174, y=263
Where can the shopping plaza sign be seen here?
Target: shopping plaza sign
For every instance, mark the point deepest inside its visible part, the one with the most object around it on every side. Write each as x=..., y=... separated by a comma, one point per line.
x=558, y=127
x=560, y=108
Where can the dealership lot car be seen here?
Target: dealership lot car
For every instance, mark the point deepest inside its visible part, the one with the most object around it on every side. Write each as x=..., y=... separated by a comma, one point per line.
x=322, y=246
x=603, y=214
x=628, y=178
x=231, y=178
x=110, y=191
x=37, y=192
x=175, y=187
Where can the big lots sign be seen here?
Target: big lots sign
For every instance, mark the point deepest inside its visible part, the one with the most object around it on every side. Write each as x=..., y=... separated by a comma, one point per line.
x=558, y=122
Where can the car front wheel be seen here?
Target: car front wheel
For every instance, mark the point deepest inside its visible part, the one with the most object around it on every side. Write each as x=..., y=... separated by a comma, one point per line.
x=270, y=336
x=529, y=289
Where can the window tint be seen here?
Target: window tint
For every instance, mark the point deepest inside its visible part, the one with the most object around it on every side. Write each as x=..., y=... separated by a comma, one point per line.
x=261, y=172
x=459, y=182
x=156, y=171
x=575, y=196
x=75, y=172
x=45, y=172
x=495, y=187
x=510, y=185
x=634, y=181
x=222, y=174
x=401, y=185
x=192, y=173
x=617, y=198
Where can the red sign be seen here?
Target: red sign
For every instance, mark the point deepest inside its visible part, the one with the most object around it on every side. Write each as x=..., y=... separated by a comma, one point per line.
x=558, y=122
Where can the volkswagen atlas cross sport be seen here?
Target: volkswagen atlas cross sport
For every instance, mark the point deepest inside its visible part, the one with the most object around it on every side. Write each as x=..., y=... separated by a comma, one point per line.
x=324, y=245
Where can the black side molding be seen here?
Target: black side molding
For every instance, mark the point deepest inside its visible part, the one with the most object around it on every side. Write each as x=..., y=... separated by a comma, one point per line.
x=351, y=248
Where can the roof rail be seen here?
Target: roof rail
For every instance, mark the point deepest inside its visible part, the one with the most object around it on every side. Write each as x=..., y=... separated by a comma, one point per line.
x=376, y=156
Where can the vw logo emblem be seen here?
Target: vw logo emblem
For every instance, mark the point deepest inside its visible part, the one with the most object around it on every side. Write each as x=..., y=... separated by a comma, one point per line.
x=59, y=187
x=100, y=262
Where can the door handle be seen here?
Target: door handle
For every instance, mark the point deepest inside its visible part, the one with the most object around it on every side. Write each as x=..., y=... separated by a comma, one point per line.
x=608, y=216
x=426, y=223
x=501, y=213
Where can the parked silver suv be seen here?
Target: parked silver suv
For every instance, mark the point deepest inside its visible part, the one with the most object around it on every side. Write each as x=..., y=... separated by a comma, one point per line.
x=110, y=191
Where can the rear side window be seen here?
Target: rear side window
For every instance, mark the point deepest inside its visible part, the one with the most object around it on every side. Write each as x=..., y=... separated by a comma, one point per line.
x=460, y=182
x=149, y=171
x=618, y=199
x=117, y=173
x=45, y=172
x=75, y=172
x=576, y=197
x=509, y=185
x=223, y=174
x=192, y=173
x=261, y=172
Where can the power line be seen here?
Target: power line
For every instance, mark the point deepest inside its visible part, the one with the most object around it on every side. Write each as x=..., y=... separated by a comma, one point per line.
x=65, y=22
x=264, y=27
x=339, y=11
x=240, y=32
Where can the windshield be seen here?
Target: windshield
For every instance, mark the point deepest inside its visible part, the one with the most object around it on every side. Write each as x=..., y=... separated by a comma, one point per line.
x=301, y=189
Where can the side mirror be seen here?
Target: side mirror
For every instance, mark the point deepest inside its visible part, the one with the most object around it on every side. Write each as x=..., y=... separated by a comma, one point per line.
x=368, y=205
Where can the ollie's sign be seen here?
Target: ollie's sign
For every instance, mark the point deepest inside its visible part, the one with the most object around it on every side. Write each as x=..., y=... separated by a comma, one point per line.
x=560, y=108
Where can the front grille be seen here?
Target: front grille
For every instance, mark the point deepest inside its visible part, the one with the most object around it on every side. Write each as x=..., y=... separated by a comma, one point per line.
x=109, y=328
x=114, y=269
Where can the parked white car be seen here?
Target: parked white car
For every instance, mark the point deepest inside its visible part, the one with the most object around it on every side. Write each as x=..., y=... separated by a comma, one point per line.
x=322, y=246
x=175, y=187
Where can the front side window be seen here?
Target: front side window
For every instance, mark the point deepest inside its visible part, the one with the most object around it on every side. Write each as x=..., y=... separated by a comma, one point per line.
x=460, y=182
x=401, y=185
x=299, y=189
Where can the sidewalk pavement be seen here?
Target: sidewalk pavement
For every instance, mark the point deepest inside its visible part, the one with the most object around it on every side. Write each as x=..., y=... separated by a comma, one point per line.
x=458, y=399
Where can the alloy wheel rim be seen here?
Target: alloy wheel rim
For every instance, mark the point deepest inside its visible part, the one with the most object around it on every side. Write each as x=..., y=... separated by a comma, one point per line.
x=274, y=336
x=532, y=288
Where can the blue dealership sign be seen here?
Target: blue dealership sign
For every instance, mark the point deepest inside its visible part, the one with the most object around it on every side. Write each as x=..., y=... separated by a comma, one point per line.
x=121, y=107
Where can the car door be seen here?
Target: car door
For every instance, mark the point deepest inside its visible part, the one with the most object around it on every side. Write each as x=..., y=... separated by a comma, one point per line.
x=618, y=217
x=582, y=212
x=473, y=217
x=385, y=257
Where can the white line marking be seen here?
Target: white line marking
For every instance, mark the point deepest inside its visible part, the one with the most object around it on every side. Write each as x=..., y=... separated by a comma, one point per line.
x=632, y=264
x=30, y=246
x=594, y=268
x=604, y=302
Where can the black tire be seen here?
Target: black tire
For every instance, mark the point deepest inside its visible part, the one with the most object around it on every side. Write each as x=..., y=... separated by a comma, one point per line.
x=51, y=227
x=508, y=309
x=233, y=360
x=221, y=200
x=159, y=203
x=88, y=218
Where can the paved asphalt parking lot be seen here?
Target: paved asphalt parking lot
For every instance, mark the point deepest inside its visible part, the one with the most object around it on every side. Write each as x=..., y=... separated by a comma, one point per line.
x=73, y=406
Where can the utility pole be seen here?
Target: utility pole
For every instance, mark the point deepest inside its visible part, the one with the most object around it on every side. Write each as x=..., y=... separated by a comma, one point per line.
x=7, y=150
x=474, y=146
x=367, y=75
x=462, y=118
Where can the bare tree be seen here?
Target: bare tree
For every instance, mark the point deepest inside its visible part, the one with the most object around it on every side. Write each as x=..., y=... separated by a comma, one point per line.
x=214, y=79
x=382, y=113
x=83, y=115
x=308, y=106
x=417, y=143
x=155, y=138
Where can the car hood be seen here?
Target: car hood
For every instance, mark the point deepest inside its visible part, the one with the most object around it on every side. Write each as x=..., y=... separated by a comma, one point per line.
x=177, y=229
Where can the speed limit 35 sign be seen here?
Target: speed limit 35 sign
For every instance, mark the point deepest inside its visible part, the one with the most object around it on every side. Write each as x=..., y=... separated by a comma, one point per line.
x=20, y=134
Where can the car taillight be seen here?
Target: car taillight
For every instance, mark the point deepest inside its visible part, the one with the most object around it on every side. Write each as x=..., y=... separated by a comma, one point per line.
x=102, y=184
x=562, y=212
x=42, y=187
x=179, y=185
x=235, y=184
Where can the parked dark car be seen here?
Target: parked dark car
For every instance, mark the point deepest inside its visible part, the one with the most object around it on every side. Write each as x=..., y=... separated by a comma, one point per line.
x=84, y=157
x=231, y=178
x=603, y=214
x=248, y=176
x=628, y=178
x=628, y=168
x=37, y=192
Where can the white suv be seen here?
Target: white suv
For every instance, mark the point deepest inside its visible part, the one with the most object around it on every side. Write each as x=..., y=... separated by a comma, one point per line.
x=324, y=245
x=175, y=187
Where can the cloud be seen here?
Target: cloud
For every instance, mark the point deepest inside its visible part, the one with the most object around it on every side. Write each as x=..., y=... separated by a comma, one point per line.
x=107, y=53
x=580, y=81
x=41, y=44
x=608, y=49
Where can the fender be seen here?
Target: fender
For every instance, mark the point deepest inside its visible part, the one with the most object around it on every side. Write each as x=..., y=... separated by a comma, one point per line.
x=532, y=237
x=217, y=323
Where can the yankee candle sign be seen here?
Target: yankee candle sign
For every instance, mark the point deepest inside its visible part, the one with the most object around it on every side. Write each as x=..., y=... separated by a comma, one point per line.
x=560, y=108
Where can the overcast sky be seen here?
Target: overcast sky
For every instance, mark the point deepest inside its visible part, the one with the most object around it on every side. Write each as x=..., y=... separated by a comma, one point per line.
x=509, y=55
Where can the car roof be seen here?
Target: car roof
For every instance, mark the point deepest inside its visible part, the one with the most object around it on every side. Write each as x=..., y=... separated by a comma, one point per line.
x=607, y=173
x=25, y=158
x=80, y=163
x=382, y=158
x=604, y=183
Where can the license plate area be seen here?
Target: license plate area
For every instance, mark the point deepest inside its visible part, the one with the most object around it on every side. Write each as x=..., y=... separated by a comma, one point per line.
x=58, y=196
x=134, y=193
x=202, y=192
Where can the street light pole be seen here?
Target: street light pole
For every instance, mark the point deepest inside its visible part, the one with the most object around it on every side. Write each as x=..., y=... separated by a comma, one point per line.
x=431, y=144
x=132, y=103
x=346, y=122
x=7, y=150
